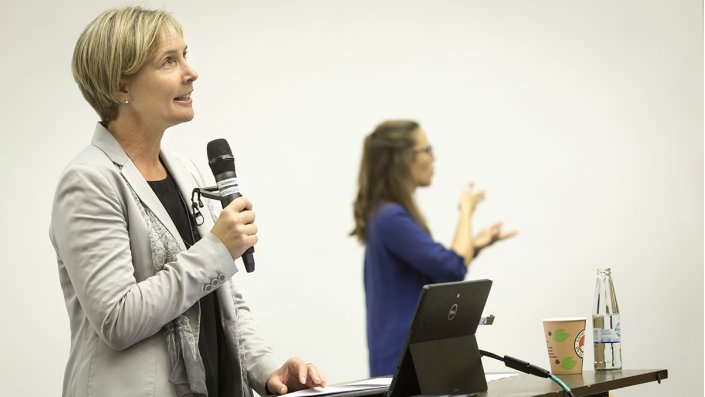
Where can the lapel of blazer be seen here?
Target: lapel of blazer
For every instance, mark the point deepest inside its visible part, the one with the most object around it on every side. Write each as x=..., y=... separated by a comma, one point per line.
x=105, y=141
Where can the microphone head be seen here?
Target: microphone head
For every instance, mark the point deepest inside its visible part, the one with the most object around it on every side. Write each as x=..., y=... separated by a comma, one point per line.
x=220, y=157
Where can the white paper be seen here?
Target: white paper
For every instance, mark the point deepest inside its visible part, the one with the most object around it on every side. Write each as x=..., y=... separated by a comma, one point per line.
x=491, y=377
x=319, y=391
x=372, y=383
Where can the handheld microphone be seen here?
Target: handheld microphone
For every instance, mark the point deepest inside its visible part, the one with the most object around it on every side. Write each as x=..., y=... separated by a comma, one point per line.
x=222, y=163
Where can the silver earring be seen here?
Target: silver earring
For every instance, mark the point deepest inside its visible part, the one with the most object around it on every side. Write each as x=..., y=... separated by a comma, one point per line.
x=126, y=101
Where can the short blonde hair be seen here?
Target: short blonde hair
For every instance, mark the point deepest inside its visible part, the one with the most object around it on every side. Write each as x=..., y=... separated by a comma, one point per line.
x=113, y=46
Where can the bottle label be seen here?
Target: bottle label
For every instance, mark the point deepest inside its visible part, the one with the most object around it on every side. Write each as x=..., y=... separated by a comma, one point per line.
x=606, y=335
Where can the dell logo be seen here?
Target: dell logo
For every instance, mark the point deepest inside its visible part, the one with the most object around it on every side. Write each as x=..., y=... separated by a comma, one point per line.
x=453, y=311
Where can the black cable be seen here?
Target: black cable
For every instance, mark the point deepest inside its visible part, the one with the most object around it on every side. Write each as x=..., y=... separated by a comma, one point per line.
x=491, y=355
x=528, y=368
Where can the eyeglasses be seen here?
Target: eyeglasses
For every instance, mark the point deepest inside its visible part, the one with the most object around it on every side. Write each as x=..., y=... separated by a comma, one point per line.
x=428, y=149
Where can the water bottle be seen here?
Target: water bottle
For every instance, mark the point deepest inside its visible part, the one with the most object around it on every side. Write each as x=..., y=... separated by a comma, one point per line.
x=606, y=332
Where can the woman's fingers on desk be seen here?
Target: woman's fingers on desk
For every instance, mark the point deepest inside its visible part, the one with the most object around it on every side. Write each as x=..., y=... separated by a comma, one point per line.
x=295, y=375
x=313, y=376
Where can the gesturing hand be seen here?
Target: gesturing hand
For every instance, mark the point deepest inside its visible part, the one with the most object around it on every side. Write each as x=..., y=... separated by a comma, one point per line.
x=491, y=235
x=294, y=375
x=469, y=199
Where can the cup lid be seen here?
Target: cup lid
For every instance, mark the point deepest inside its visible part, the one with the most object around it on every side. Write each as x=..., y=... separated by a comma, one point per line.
x=559, y=319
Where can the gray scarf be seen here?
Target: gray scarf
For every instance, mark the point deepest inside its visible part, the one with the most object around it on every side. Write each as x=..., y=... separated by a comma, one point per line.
x=187, y=371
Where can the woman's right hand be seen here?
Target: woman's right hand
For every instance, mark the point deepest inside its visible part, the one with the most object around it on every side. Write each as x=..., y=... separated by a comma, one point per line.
x=469, y=199
x=235, y=227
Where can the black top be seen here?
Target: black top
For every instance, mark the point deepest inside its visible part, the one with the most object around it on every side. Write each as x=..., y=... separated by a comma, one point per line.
x=210, y=342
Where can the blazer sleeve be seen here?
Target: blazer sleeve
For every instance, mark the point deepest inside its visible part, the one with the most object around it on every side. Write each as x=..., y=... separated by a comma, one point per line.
x=89, y=230
x=401, y=235
x=260, y=360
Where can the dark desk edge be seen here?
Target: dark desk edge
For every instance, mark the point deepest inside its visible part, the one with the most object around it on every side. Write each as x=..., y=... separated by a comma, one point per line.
x=589, y=383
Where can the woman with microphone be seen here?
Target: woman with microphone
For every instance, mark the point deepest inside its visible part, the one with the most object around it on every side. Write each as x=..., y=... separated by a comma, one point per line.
x=151, y=297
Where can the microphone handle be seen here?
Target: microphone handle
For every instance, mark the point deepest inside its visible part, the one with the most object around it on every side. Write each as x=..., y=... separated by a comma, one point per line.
x=247, y=257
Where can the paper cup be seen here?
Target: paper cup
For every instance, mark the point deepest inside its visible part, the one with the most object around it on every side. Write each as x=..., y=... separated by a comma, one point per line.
x=565, y=340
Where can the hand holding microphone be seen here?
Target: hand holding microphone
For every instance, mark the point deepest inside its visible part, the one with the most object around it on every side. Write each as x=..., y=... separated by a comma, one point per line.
x=234, y=227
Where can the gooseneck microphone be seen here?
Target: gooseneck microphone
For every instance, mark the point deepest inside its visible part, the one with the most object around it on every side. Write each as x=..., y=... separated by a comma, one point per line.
x=222, y=163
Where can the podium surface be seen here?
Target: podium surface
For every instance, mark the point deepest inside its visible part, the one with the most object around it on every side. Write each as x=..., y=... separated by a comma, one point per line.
x=589, y=383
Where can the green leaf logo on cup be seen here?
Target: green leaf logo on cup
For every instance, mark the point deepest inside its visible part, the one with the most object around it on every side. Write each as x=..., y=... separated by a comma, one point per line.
x=560, y=335
x=568, y=363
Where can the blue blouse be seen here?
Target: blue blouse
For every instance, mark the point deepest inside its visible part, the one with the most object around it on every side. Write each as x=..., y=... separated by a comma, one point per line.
x=400, y=258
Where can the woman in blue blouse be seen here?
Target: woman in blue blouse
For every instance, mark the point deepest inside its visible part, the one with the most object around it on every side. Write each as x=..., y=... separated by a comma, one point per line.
x=401, y=255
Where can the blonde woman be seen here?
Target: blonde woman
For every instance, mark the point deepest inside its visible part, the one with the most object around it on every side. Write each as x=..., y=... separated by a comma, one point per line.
x=151, y=295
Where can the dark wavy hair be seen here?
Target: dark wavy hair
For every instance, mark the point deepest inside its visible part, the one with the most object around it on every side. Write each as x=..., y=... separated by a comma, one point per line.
x=385, y=173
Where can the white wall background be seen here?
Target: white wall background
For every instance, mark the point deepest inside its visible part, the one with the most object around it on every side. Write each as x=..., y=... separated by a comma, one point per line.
x=583, y=120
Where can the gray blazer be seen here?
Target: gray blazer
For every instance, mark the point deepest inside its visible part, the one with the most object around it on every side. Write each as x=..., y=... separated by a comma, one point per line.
x=117, y=306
